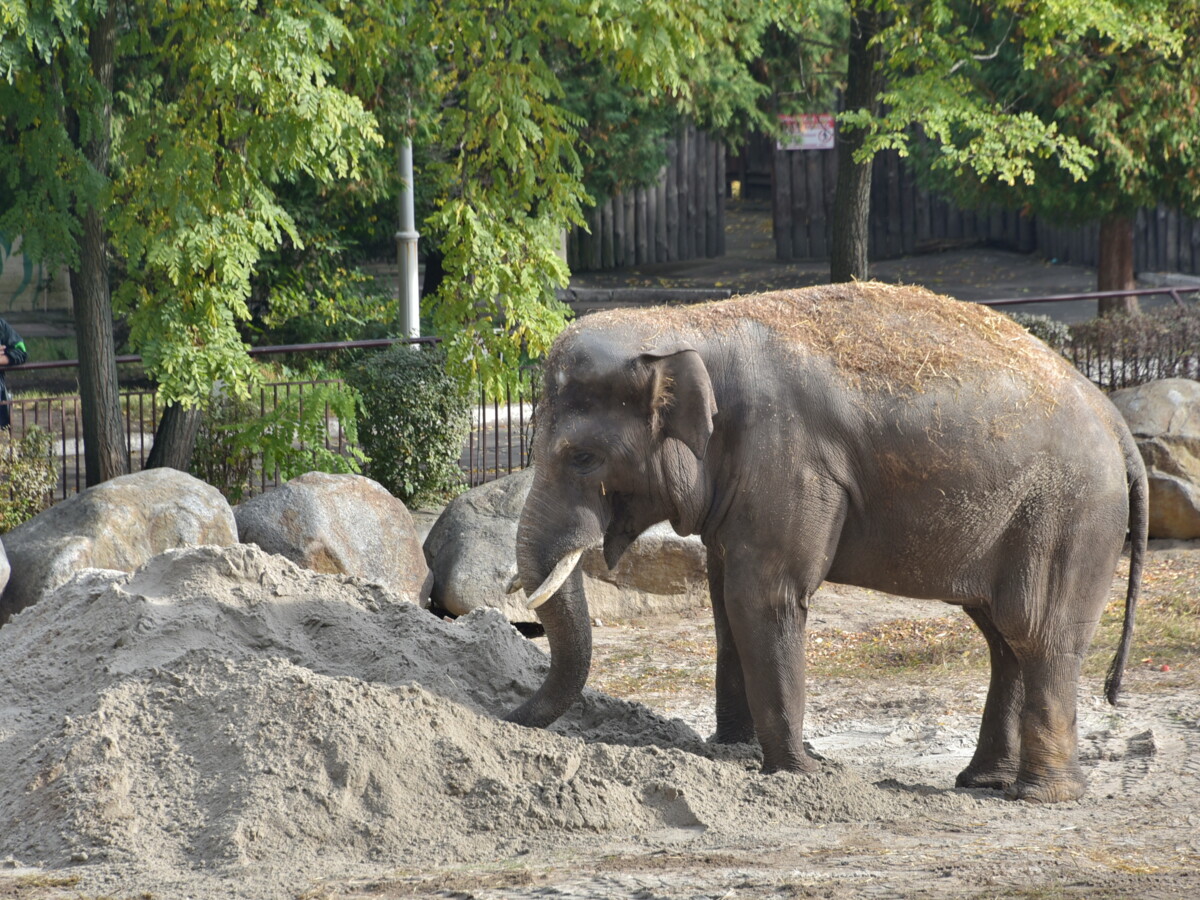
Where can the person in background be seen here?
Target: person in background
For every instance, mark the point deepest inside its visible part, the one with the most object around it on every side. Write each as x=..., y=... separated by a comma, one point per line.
x=12, y=353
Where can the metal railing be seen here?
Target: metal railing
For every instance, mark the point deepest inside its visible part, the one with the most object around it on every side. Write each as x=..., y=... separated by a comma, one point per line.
x=498, y=442
x=1175, y=292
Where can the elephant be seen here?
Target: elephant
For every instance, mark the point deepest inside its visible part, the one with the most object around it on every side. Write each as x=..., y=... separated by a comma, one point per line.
x=865, y=434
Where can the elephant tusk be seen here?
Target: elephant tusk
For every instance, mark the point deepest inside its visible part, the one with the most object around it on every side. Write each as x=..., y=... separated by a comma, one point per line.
x=554, y=580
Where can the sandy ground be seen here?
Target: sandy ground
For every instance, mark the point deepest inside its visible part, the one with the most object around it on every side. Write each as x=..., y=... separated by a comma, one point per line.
x=222, y=724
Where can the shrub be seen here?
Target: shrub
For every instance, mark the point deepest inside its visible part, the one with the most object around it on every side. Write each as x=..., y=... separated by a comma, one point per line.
x=414, y=419
x=1055, y=333
x=27, y=476
x=238, y=438
x=1124, y=350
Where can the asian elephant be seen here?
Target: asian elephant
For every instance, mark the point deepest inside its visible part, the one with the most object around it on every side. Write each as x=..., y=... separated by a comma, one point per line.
x=865, y=434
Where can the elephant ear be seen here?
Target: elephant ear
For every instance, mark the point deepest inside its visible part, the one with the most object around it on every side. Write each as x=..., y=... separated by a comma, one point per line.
x=682, y=404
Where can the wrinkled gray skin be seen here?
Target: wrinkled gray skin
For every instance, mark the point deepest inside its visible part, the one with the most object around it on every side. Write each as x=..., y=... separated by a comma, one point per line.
x=1007, y=496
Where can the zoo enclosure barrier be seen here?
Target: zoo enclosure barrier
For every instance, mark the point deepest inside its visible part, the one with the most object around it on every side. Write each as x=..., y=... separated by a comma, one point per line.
x=907, y=217
x=497, y=444
x=499, y=441
x=1121, y=351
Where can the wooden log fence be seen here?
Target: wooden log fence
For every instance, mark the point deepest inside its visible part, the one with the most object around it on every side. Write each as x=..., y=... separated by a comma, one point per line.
x=906, y=218
x=680, y=217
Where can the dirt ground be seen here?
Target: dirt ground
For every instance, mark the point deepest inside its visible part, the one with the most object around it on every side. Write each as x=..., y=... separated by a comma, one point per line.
x=251, y=733
x=1135, y=835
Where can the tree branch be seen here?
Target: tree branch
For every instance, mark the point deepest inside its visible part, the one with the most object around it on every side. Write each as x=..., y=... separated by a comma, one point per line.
x=985, y=57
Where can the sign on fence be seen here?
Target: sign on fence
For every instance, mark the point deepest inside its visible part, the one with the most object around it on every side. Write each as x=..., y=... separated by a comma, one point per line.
x=815, y=131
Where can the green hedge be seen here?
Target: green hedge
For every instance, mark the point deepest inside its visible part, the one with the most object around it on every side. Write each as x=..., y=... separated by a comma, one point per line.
x=27, y=476
x=413, y=421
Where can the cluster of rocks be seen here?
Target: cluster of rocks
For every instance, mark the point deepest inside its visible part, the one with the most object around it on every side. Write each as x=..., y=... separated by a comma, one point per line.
x=350, y=525
x=335, y=524
x=341, y=524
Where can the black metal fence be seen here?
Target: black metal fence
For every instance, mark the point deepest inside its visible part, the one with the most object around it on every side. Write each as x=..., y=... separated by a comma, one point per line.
x=498, y=443
x=1123, y=351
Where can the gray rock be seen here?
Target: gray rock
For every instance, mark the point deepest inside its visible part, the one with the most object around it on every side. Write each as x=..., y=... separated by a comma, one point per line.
x=471, y=549
x=119, y=524
x=340, y=524
x=1164, y=417
x=471, y=552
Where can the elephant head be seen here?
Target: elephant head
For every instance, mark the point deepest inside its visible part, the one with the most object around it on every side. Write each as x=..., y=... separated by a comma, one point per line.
x=622, y=436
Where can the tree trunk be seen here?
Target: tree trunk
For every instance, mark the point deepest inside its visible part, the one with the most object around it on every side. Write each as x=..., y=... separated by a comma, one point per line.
x=105, y=453
x=1115, y=272
x=852, y=198
x=175, y=438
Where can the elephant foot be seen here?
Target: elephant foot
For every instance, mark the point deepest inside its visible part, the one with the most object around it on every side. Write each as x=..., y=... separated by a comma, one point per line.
x=733, y=736
x=1048, y=790
x=800, y=763
x=997, y=776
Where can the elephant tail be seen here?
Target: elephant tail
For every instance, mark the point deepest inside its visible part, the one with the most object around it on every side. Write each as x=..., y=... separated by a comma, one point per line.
x=1139, y=518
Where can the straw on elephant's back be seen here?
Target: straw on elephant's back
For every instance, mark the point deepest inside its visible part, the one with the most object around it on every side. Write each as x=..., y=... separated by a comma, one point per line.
x=880, y=336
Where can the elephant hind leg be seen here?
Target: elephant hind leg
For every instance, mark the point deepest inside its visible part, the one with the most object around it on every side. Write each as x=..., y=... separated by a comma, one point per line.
x=997, y=758
x=1048, y=622
x=1050, y=770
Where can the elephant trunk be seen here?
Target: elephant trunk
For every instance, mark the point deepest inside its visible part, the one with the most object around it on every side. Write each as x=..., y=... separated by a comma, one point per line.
x=541, y=561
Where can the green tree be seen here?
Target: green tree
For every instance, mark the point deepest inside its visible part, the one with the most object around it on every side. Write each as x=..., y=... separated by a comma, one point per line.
x=514, y=148
x=149, y=138
x=1136, y=110
x=56, y=100
x=934, y=58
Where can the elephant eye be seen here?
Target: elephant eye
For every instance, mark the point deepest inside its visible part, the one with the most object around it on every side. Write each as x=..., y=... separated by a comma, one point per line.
x=584, y=460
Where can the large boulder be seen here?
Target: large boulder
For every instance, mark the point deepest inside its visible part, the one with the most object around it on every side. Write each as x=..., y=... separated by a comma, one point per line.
x=471, y=550
x=341, y=525
x=119, y=524
x=1164, y=417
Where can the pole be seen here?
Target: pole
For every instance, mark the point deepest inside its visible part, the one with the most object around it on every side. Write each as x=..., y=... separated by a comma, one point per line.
x=406, y=248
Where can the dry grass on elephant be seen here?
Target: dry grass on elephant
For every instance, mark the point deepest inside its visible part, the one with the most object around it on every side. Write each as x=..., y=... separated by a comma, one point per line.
x=880, y=336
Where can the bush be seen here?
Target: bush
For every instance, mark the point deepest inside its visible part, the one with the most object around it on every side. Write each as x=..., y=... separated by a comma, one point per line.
x=27, y=476
x=1055, y=333
x=237, y=439
x=1124, y=350
x=414, y=420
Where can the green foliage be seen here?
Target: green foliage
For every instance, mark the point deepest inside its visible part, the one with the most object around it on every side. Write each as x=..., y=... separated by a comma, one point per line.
x=803, y=58
x=337, y=304
x=955, y=73
x=414, y=422
x=1023, y=100
x=514, y=138
x=214, y=107
x=1055, y=333
x=27, y=476
x=240, y=438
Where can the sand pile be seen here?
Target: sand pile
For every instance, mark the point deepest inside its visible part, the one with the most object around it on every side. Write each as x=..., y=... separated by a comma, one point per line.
x=223, y=723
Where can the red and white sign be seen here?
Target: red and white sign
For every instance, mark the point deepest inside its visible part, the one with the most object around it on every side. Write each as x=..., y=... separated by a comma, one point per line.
x=813, y=131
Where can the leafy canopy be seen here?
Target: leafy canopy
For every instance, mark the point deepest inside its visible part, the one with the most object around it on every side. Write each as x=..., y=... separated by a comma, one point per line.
x=216, y=104
x=940, y=57
x=516, y=130
x=225, y=112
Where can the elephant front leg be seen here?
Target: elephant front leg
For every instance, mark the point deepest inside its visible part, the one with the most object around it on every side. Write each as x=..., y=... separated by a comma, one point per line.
x=767, y=621
x=735, y=722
